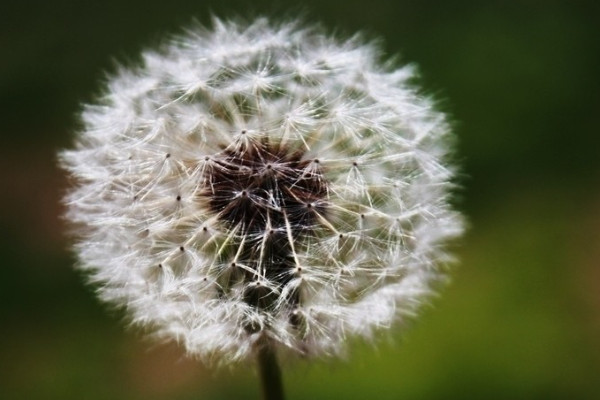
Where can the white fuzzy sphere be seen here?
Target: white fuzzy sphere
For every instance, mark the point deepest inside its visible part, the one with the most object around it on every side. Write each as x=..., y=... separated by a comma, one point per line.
x=262, y=181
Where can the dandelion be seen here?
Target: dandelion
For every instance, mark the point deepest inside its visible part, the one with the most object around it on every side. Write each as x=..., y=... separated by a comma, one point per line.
x=257, y=188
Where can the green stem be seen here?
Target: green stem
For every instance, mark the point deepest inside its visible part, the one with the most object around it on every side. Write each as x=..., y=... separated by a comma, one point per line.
x=270, y=373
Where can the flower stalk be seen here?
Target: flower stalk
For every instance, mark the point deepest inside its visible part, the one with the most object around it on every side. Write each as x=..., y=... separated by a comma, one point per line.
x=270, y=373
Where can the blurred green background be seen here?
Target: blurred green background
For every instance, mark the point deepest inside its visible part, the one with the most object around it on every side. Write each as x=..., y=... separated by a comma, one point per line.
x=521, y=319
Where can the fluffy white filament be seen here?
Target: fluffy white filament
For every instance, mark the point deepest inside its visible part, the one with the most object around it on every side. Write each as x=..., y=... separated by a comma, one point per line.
x=147, y=159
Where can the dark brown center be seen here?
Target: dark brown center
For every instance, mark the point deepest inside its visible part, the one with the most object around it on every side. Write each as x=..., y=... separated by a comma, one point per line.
x=271, y=198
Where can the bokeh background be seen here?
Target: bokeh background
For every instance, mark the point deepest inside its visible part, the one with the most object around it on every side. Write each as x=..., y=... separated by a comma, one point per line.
x=521, y=319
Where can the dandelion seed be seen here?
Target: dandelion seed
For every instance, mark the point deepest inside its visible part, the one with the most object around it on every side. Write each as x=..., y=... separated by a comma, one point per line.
x=290, y=189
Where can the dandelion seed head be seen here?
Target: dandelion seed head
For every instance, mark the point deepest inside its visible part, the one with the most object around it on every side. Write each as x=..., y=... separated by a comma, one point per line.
x=259, y=180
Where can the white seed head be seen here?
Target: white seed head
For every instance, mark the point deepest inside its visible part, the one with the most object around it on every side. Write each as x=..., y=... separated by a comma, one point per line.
x=258, y=181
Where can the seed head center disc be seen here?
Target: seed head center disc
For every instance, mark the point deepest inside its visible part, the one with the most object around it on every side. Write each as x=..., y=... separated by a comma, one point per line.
x=268, y=199
x=260, y=188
